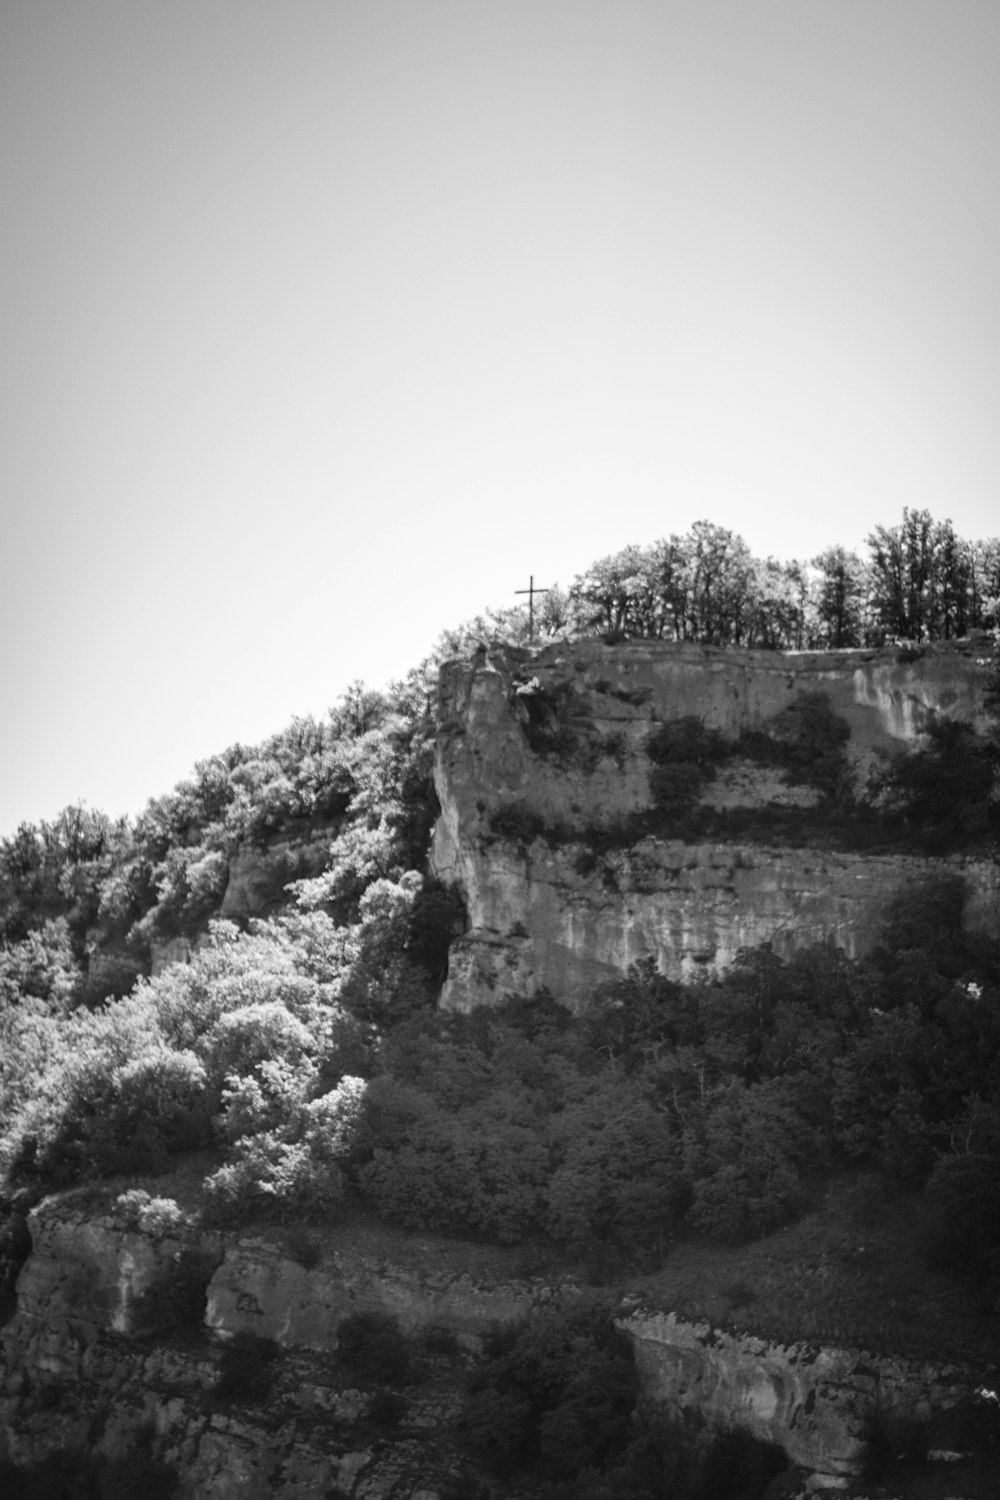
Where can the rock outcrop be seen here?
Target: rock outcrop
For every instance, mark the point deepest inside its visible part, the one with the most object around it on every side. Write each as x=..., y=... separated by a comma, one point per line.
x=94, y=1359
x=523, y=812
x=258, y=874
x=99, y=1275
x=817, y=1404
x=108, y=1352
x=257, y=1289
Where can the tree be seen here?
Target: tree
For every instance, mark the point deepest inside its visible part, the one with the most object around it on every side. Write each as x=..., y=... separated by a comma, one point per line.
x=840, y=598
x=720, y=573
x=905, y=575
x=613, y=595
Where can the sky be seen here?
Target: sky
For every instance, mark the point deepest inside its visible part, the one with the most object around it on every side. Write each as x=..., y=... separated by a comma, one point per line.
x=324, y=324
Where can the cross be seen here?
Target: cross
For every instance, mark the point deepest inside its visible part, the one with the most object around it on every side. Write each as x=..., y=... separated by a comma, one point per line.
x=531, y=591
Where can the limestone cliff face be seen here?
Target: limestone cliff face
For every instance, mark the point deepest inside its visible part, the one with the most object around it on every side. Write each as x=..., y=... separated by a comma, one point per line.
x=258, y=875
x=95, y=1273
x=538, y=922
x=91, y=1358
x=550, y=913
x=815, y=1403
x=100, y=1353
x=259, y=1290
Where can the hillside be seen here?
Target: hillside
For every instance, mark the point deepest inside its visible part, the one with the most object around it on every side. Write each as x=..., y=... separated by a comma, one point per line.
x=638, y=983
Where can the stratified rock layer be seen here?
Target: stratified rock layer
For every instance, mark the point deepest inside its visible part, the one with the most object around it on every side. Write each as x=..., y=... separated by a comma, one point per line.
x=545, y=911
x=82, y=1369
x=816, y=1403
x=259, y=1290
x=79, y=1370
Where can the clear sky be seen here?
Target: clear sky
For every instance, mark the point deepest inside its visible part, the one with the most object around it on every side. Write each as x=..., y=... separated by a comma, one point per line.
x=323, y=323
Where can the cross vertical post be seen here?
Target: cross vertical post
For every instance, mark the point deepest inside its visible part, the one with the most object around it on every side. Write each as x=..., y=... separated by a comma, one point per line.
x=531, y=591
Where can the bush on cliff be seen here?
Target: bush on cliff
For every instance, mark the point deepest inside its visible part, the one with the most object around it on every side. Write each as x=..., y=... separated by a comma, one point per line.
x=248, y=1368
x=77, y=1474
x=555, y=1394
x=293, y=1169
x=555, y=1403
x=247, y=1043
x=684, y=756
x=945, y=790
x=963, y=1221
x=373, y=1348
x=111, y=1104
x=711, y=1104
x=809, y=742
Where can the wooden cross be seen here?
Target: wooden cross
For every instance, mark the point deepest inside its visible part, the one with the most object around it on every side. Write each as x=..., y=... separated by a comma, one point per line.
x=531, y=591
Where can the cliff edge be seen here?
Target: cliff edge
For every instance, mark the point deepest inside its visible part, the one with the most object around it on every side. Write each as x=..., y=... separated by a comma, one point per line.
x=543, y=773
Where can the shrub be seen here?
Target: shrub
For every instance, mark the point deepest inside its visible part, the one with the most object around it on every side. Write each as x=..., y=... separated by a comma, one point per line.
x=615, y=747
x=303, y=1247
x=178, y=1299
x=437, y=917
x=97, y=1115
x=961, y=1195
x=687, y=741
x=743, y=1163
x=675, y=788
x=618, y=1178
x=437, y=1339
x=373, y=1347
x=809, y=742
x=945, y=788
x=157, y=1104
x=386, y=1409
x=271, y=1176
x=517, y=823
x=684, y=755
x=252, y=1034
x=557, y=1391
x=556, y=720
x=247, y=1368
x=153, y=1216
x=482, y=1166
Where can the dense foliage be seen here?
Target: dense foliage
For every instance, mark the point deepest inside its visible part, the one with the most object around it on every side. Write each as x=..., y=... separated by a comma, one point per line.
x=920, y=582
x=715, y=1106
x=83, y=899
x=260, y=1045
x=557, y=1399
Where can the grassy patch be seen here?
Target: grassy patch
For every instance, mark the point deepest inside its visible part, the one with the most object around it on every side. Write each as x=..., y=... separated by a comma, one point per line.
x=849, y=1274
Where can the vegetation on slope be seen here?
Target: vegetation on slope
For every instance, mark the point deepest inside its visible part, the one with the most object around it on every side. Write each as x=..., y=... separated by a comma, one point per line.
x=305, y=1051
x=715, y=1106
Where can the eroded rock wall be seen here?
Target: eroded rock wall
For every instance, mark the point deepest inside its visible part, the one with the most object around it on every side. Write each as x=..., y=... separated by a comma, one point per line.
x=259, y=1290
x=547, y=912
x=79, y=1369
x=815, y=1403
x=100, y=1357
x=94, y=1272
x=553, y=918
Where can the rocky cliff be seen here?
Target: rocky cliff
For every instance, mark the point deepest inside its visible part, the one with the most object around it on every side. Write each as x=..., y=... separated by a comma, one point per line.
x=119, y=1339
x=120, y=1334
x=817, y=1404
x=542, y=756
